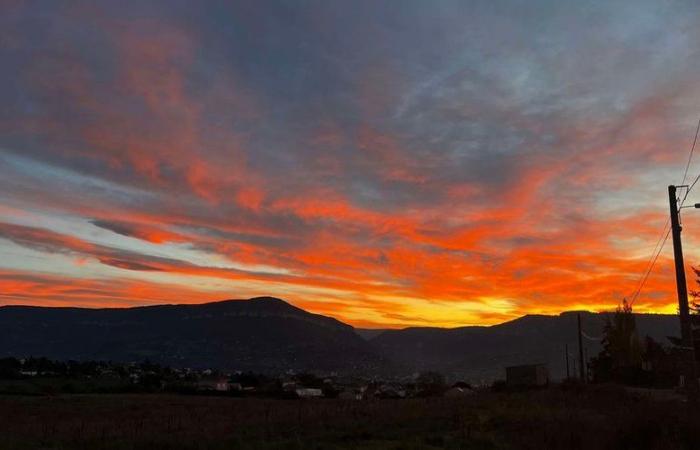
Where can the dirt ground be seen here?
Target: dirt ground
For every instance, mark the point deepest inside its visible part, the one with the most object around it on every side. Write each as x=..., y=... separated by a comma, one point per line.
x=582, y=418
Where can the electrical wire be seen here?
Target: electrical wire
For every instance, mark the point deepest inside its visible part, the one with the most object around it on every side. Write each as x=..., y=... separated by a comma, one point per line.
x=690, y=188
x=649, y=268
x=690, y=156
x=687, y=166
x=592, y=338
x=649, y=264
x=667, y=230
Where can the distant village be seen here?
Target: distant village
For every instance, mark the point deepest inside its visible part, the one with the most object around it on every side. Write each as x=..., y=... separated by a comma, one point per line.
x=44, y=376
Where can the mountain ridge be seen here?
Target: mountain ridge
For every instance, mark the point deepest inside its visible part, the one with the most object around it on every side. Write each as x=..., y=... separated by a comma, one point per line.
x=481, y=352
x=263, y=334
x=268, y=334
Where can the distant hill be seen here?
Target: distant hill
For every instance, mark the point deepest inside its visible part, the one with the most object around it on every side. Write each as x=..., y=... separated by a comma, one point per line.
x=481, y=353
x=261, y=334
x=369, y=333
x=269, y=335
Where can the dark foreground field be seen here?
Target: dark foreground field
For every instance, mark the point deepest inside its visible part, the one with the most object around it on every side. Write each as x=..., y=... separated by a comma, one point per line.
x=555, y=418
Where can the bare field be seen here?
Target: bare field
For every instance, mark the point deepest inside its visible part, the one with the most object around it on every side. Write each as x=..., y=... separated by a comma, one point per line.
x=599, y=417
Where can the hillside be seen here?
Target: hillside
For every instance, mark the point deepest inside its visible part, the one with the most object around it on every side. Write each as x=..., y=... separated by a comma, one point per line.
x=482, y=352
x=262, y=334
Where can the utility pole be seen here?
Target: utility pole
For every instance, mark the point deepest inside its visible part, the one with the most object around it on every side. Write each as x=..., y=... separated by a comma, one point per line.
x=581, y=366
x=566, y=355
x=689, y=373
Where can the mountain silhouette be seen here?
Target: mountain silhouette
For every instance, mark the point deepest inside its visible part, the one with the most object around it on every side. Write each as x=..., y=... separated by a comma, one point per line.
x=482, y=352
x=262, y=334
x=266, y=334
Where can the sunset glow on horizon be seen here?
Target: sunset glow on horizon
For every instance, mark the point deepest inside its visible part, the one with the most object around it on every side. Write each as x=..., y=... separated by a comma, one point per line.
x=389, y=164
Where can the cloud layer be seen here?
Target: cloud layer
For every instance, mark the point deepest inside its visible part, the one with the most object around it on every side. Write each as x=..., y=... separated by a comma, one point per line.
x=439, y=163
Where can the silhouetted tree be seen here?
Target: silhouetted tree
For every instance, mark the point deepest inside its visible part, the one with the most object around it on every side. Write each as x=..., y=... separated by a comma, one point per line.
x=621, y=337
x=695, y=313
x=249, y=379
x=621, y=357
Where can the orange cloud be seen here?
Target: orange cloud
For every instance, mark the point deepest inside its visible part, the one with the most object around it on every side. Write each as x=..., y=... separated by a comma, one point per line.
x=384, y=187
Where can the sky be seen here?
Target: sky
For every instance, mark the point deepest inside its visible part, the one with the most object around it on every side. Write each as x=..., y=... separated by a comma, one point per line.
x=388, y=163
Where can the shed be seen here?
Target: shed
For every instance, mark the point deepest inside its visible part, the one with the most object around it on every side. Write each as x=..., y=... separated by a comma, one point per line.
x=528, y=375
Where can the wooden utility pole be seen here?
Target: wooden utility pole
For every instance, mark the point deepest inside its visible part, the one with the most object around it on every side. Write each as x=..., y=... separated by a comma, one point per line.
x=566, y=355
x=581, y=366
x=689, y=373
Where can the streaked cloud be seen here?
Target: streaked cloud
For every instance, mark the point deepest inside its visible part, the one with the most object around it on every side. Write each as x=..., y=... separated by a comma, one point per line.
x=440, y=162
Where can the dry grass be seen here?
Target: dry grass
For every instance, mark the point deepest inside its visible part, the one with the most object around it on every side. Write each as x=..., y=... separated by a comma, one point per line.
x=554, y=418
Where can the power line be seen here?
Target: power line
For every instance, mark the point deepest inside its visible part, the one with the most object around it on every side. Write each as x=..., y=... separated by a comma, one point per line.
x=650, y=267
x=667, y=230
x=687, y=166
x=650, y=263
x=592, y=338
x=692, y=150
x=690, y=188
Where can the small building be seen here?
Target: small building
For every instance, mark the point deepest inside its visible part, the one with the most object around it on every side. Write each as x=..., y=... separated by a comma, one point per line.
x=529, y=375
x=289, y=386
x=309, y=393
x=218, y=384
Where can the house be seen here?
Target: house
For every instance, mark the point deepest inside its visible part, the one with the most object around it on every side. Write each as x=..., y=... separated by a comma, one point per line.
x=289, y=386
x=529, y=375
x=218, y=384
x=308, y=393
